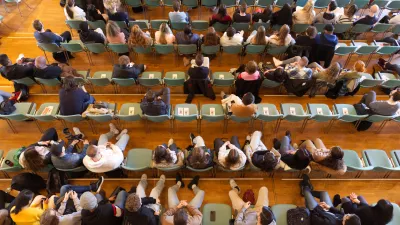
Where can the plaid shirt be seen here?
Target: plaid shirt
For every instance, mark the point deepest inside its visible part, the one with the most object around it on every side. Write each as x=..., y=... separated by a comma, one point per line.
x=298, y=73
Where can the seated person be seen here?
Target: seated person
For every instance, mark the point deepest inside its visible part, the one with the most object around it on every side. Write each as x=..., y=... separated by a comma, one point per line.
x=329, y=75
x=164, y=36
x=370, y=18
x=251, y=72
x=165, y=156
x=23, y=68
x=331, y=158
x=264, y=16
x=327, y=17
x=116, y=14
x=240, y=15
x=106, y=156
x=176, y=15
x=385, y=65
x=27, y=208
x=283, y=38
x=156, y=103
x=182, y=212
x=91, y=36
x=73, y=12
x=258, y=37
x=295, y=67
x=328, y=37
x=231, y=37
x=244, y=107
x=352, y=78
x=45, y=71
x=324, y=209
x=259, y=214
x=283, y=16
x=47, y=36
x=187, y=37
x=116, y=35
x=258, y=154
x=138, y=38
x=199, y=156
x=309, y=38
x=348, y=17
x=126, y=69
x=143, y=210
x=296, y=159
x=64, y=158
x=93, y=14
x=304, y=15
x=36, y=156
x=95, y=213
x=230, y=156
x=74, y=100
x=384, y=108
x=200, y=69
x=221, y=17
x=278, y=75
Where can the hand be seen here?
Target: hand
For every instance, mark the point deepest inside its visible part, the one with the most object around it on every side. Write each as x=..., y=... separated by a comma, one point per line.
x=158, y=201
x=98, y=11
x=324, y=205
x=44, y=142
x=353, y=196
x=112, y=198
x=37, y=200
x=228, y=143
x=66, y=196
x=73, y=195
x=86, y=142
x=159, y=98
x=180, y=205
x=231, y=146
x=108, y=144
x=74, y=142
x=157, y=213
x=247, y=205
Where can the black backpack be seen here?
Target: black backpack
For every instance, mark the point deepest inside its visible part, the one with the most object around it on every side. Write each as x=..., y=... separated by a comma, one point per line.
x=7, y=107
x=55, y=181
x=29, y=181
x=298, y=216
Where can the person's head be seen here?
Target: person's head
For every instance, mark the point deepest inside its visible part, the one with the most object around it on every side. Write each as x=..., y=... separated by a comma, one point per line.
x=40, y=62
x=123, y=60
x=69, y=83
x=286, y=10
x=4, y=60
x=49, y=217
x=268, y=10
x=4, y=217
x=188, y=30
x=309, y=7
x=335, y=159
x=57, y=149
x=88, y=201
x=351, y=219
x=248, y=98
x=269, y=160
x=84, y=27
x=384, y=211
x=137, y=37
x=374, y=9
x=199, y=59
x=311, y=31
x=243, y=7
x=180, y=217
x=133, y=202
x=112, y=29
x=211, y=38
x=303, y=61
x=24, y=198
x=279, y=74
x=352, y=11
x=164, y=31
x=395, y=95
x=337, y=152
x=68, y=6
x=303, y=155
x=198, y=158
x=283, y=33
x=92, y=151
x=332, y=6
x=359, y=66
x=150, y=96
x=251, y=67
x=266, y=216
x=176, y=6
x=328, y=29
x=232, y=158
x=37, y=25
x=162, y=154
x=260, y=36
x=230, y=32
x=33, y=159
x=222, y=11
x=332, y=72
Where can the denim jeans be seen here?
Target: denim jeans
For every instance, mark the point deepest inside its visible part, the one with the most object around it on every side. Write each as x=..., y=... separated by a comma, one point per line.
x=309, y=197
x=173, y=199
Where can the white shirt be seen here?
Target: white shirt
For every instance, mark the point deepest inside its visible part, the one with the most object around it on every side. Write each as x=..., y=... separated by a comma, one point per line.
x=395, y=20
x=274, y=39
x=79, y=14
x=111, y=159
x=223, y=153
x=237, y=39
x=169, y=37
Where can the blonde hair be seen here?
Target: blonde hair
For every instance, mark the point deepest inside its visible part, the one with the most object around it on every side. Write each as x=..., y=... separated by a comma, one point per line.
x=331, y=73
x=112, y=29
x=164, y=31
x=283, y=33
x=359, y=66
x=259, y=38
x=309, y=9
x=138, y=38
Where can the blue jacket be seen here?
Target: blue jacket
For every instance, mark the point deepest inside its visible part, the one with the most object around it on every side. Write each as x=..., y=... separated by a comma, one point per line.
x=74, y=102
x=326, y=39
x=155, y=108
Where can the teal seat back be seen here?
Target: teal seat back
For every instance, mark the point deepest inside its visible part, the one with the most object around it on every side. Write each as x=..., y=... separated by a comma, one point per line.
x=267, y=112
x=280, y=3
x=395, y=154
x=51, y=47
x=376, y=158
x=352, y=113
x=276, y=50
x=300, y=28
x=270, y=83
x=280, y=212
x=210, y=50
x=125, y=111
x=145, y=79
x=201, y=25
x=389, y=80
x=143, y=24
x=72, y=47
x=341, y=28
x=320, y=4
x=264, y=3
x=223, y=213
x=155, y=24
x=393, y=5
x=396, y=29
x=22, y=111
x=232, y=49
x=118, y=48
x=99, y=81
x=209, y=3
x=276, y=27
x=366, y=50
x=369, y=81
x=361, y=3
x=190, y=3
x=381, y=27
x=378, y=118
x=345, y=50
x=47, y=117
x=157, y=119
x=138, y=159
x=71, y=118
x=174, y=78
x=97, y=24
x=387, y=50
x=178, y=25
x=180, y=109
x=240, y=119
x=255, y=49
x=228, y=3
x=342, y=3
x=187, y=49
x=381, y=3
x=241, y=26
x=10, y=156
x=133, y=3
x=223, y=79
x=256, y=25
x=220, y=27
x=206, y=112
x=320, y=27
x=96, y=47
x=73, y=24
x=124, y=82
x=164, y=49
x=360, y=28
x=143, y=50
x=26, y=81
x=49, y=82
x=326, y=115
x=299, y=112
x=352, y=160
x=152, y=3
x=168, y=3
x=121, y=24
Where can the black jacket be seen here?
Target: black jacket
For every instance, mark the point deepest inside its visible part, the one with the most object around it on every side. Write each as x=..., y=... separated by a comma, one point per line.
x=102, y=215
x=193, y=86
x=244, y=86
x=144, y=216
x=73, y=102
x=321, y=217
x=127, y=72
x=50, y=72
x=16, y=71
x=298, y=86
x=91, y=37
x=119, y=16
x=198, y=72
x=362, y=210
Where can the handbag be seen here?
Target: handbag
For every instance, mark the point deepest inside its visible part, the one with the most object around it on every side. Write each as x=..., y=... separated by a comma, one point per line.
x=248, y=196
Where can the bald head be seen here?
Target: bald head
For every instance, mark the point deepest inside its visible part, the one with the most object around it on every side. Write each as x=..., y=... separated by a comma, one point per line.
x=374, y=9
x=40, y=62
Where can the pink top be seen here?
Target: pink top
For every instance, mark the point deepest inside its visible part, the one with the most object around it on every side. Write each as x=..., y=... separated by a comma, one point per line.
x=247, y=76
x=119, y=39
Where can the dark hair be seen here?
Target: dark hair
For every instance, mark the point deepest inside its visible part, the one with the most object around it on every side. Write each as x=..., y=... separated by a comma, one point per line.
x=384, y=211
x=83, y=26
x=56, y=149
x=4, y=60
x=69, y=83
x=230, y=32
x=352, y=219
x=332, y=5
x=68, y=6
x=23, y=199
x=232, y=158
x=34, y=160
x=222, y=11
x=243, y=7
x=279, y=74
x=396, y=96
x=267, y=216
x=198, y=158
x=37, y=25
x=176, y=5
x=49, y=217
x=335, y=159
x=150, y=96
x=269, y=160
x=248, y=98
x=268, y=10
x=180, y=217
x=161, y=153
x=199, y=59
x=352, y=10
x=188, y=32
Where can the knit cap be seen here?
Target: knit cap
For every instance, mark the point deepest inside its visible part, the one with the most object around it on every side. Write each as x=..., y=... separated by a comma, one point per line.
x=88, y=201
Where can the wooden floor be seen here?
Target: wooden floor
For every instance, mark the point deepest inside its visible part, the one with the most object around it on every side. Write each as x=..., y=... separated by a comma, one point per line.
x=281, y=190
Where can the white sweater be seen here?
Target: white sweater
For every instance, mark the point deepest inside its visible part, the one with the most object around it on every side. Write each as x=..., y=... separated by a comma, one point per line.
x=111, y=159
x=79, y=14
x=237, y=39
x=395, y=20
x=223, y=153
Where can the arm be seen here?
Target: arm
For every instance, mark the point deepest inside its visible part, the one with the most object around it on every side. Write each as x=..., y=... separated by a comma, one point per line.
x=117, y=211
x=83, y=153
x=61, y=210
x=240, y=220
x=77, y=203
x=115, y=148
x=170, y=212
x=196, y=214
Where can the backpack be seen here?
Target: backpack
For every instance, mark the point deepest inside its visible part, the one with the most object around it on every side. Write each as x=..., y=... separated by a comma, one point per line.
x=24, y=92
x=248, y=196
x=55, y=181
x=298, y=216
x=7, y=107
x=29, y=181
